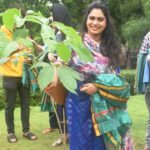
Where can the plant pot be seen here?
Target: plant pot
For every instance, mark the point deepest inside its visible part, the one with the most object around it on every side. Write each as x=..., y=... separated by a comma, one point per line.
x=58, y=93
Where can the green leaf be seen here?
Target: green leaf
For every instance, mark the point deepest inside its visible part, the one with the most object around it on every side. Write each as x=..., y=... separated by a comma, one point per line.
x=1, y=14
x=68, y=31
x=45, y=77
x=3, y=60
x=47, y=32
x=19, y=22
x=82, y=51
x=48, y=37
x=25, y=42
x=69, y=71
x=31, y=18
x=8, y=17
x=40, y=64
x=51, y=45
x=31, y=12
x=74, y=41
x=68, y=77
x=20, y=33
x=11, y=46
x=3, y=44
x=37, y=19
x=63, y=52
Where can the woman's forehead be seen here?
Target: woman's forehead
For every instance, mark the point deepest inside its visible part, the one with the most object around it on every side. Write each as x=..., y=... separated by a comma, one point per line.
x=96, y=12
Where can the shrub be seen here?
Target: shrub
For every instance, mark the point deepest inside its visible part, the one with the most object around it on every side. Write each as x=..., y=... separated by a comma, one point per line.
x=129, y=75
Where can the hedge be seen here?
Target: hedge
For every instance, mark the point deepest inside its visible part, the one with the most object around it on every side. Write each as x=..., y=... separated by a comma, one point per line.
x=129, y=75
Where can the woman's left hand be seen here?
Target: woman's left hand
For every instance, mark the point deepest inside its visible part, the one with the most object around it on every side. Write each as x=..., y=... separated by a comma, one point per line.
x=89, y=88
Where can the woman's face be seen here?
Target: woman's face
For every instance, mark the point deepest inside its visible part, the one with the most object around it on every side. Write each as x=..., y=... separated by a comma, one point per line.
x=96, y=22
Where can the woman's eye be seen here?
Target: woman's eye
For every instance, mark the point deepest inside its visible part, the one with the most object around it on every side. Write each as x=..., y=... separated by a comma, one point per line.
x=92, y=18
x=100, y=19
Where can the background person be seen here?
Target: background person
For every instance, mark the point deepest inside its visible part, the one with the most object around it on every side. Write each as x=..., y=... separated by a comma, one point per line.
x=12, y=82
x=143, y=80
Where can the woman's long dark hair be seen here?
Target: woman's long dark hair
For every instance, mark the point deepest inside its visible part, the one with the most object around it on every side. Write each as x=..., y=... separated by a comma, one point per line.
x=110, y=43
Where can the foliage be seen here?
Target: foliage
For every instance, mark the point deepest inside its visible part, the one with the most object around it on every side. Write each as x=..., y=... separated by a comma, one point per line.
x=133, y=32
x=24, y=5
x=63, y=49
x=129, y=75
x=132, y=20
x=76, y=8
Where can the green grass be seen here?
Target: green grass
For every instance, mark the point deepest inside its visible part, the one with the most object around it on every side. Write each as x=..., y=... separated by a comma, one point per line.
x=139, y=114
x=39, y=121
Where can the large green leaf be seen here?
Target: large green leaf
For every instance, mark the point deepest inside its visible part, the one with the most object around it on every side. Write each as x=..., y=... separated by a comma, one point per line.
x=68, y=31
x=1, y=14
x=82, y=51
x=3, y=60
x=37, y=19
x=68, y=78
x=25, y=42
x=47, y=32
x=20, y=33
x=31, y=12
x=3, y=44
x=48, y=37
x=19, y=22
x=11, y=46
x=8, y=17
x=70, y=71
x=74, y=41
x=63, y=52
x=31, y=18
x=51, y=45
x=40, y=64
x=45, y=77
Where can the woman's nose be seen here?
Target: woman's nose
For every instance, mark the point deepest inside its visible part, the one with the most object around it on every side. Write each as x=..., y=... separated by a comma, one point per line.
x=95, y=21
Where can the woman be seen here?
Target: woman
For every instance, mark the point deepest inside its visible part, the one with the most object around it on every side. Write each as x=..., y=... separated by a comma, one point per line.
x=99, y=37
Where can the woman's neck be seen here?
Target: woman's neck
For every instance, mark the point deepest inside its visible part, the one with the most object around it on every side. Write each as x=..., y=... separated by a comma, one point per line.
x=96, y=38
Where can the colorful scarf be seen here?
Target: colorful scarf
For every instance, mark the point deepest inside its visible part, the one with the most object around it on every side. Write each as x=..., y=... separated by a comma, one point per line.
x=108, y=106
x=100, y=64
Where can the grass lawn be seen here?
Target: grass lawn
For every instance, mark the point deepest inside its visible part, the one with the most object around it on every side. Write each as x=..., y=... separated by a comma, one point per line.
x=39, y=121
x=139, y=114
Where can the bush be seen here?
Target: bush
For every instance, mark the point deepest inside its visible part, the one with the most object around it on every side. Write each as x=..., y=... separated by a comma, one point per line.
x=129, y=75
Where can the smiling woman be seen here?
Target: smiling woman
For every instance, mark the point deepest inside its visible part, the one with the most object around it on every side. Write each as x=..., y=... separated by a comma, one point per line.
x=96, y=24
x=88, y=112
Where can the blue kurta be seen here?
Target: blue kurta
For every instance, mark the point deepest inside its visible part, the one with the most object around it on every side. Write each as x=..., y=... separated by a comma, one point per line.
x=81, y=133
